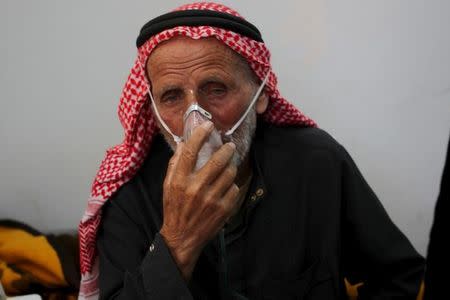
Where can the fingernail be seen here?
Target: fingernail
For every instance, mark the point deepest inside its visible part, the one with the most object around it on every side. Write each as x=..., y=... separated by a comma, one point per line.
x=232, y=145
x=208, y=125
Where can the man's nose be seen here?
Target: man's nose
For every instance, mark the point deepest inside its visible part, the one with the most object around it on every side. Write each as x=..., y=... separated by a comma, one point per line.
x=195, y=96
x=191, y=97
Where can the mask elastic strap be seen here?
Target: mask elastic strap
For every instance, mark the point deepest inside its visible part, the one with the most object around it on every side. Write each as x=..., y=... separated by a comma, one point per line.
x=238, y=123
x=176, y=138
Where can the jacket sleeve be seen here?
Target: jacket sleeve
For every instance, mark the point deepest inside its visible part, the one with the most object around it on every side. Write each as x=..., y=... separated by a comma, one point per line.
x=131, y=266
x=375, y=251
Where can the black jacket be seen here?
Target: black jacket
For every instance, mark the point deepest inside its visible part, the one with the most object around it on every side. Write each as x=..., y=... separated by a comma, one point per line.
x=311, y=221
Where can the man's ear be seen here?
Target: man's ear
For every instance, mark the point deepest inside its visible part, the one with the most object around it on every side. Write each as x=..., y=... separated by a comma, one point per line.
x=262, y=103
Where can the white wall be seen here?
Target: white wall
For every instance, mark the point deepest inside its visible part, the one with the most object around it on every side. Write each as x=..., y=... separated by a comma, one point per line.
x=375, y=74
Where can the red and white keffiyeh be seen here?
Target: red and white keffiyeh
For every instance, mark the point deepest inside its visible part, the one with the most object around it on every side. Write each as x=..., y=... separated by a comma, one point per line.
x=123, y=161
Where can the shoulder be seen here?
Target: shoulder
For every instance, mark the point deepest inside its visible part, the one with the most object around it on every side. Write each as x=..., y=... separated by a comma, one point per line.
x=133, y=197
x=299, y=140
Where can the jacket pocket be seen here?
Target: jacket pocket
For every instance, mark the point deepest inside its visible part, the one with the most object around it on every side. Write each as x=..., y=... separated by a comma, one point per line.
x=315, y=277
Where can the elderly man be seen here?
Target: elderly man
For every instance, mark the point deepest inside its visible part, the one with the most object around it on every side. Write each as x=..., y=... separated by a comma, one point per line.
x=222, y=189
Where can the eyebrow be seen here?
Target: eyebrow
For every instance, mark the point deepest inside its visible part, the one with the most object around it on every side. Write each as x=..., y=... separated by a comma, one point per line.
x=217, y=78
x=168, y=88
x=212, y=78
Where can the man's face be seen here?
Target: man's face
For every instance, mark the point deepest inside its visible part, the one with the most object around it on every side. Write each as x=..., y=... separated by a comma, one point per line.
x=183, y=71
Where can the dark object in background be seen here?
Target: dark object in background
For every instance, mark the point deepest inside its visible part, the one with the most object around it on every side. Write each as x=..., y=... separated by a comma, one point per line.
x=438, y=266
x=35, y=263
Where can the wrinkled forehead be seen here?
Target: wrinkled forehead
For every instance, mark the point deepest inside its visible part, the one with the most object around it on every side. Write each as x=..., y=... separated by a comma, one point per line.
x=183, y=52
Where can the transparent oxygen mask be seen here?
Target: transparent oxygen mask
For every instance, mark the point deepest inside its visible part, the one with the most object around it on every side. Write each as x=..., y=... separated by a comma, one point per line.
x=194, y=117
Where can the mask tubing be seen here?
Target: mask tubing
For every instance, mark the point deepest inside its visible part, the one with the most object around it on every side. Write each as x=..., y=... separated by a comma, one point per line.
x=176, y=138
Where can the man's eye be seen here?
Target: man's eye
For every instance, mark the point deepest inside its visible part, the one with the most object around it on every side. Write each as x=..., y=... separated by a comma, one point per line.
x=217, y=92
x=214, y=90
x=170, y=97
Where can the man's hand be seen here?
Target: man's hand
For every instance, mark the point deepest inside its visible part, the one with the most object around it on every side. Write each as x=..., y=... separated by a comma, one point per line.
x=197, y=203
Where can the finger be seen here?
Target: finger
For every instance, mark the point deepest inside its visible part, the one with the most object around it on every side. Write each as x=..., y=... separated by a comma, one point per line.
x=172, y=165
x=193, y=145
x=215, y=165
x=223, y=182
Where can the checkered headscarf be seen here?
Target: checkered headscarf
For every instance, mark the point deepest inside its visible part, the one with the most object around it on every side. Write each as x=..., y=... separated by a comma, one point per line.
x=124, y=160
